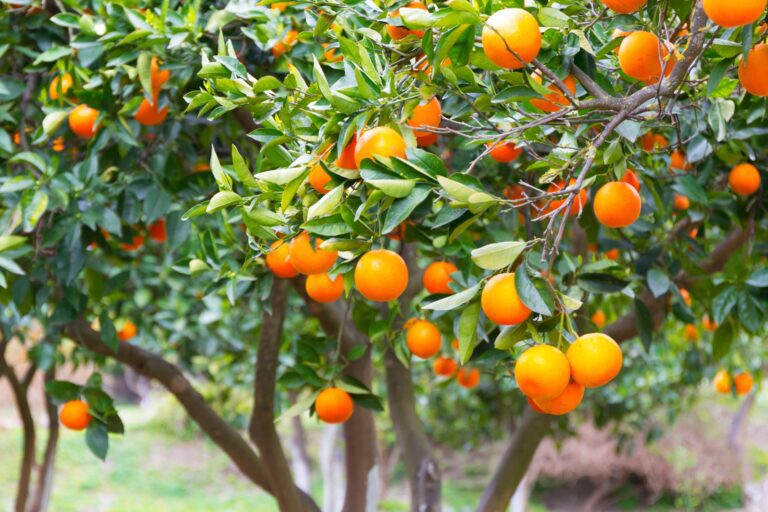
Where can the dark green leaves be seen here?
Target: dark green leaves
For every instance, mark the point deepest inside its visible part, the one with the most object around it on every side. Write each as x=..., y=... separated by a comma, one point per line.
x=97, y=439
x=468, y=330
x=658, y=282
x=722, y=341
x=534, y=293
x=402, y=208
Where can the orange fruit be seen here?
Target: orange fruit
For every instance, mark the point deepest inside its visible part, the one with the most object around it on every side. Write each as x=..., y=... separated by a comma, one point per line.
x=542, y=372
x=74, y=415
x=82, y=120
x=444, y=366
x=730, y=14
x=595, y=359
x=534, y=406
x=310, y=260
x=346, y=159
x=691, y=333
x=468, y=378
x=437, y=277
x=381, y=275
x=511, y=29
x=128, y=331
x=681, y=202
x=58, y=144
x=617, y=204
x=598, y=318
x=397, y=33
x=426, y=115
x=500, y=301
x=514, y=193
x=504, y=152
x=157, y=231
x=66, y=84
x=381, y=141
x=136, y=243
x=427, y=140
x=564, y=403
x=279, y=260
x=283, y=46
x=678, y=162
x=157, y=76
x=576, y=205
x=631, y=178
x=613, y=254
x=455, y=344
x=423, y=339
x=321, y=288
x=280, y=6
x=556, y=100
x=318, y=179
x=743, y=382
x=641, y=57
x=651, y=141
x=744, y=179
x=330, y=55
x=708, y=324
x=334, y=405
x=685, y=294
x=149, y=114
x=625, y=6
x=722, y=382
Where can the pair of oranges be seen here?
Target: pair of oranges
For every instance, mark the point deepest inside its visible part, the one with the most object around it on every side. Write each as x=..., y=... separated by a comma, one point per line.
x=554, y=382
x=724, y=384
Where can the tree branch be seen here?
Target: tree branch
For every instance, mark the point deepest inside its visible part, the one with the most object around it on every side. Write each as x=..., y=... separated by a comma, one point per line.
x=47, y=467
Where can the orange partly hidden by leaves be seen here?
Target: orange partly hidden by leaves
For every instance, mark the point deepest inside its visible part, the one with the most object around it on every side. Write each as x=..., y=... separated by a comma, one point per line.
x=617, y=204
x=381, y=275
x=578, y=202
x=426, y=115
x=423, y=339
x=321, y=288
x=137, y=242
x=542, y=372
x=157, y=231
x=82, y=120
x=691, y=333
x=128, y=331
x=381, y=141
x=563, y=403
x=678, y=161
x=66, y=84
x=613, y=254
x=397, y=33
x=334, y=405
x=157, y=76
x=283, y=46
x=744, y=179
x=427, y=140
x=556, y=100
x=595, y=359
x=501, y=303
x=681, y=202
x=318, y=179
x=641, y=57
x=722, y=382
x=279, y=260
x=346, y=160
x=511, y=29
x=330, y=55
x=437, y=277
x=444, y=366
x=631, y=178
x=625, y=6
x=310, y=260
x=686, y=295
x=651, y=141
x=744, y=383
x=708, y=324
x=504, y=152
x=74, y=415
x=753, y=74
x=468, y=378
x=598, y=318
x=149, y=113
x=730, y=14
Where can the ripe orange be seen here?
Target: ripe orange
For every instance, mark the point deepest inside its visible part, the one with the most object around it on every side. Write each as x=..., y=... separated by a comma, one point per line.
x=500, y=301
x=556, y=100
x=514, y=192
x=330, y=55
x=128, y=331
x=729, y=14
x=691, y=333
x=334, y=405
x=743, y=382
x=534, y=406
x=504, y=152
x=642, y=57
x=455, y=344
x=381, y=275
x=66, y=84
x=280, y=6
x=595, y=359
x=157, y=76
x=468, y=378
x=426, y=115
x=437, y=277
x=564, y=403
x=158, y=231
x=346, y=159
x=310, y=260
x=380, y=141
x=423, y=339
x=754, y=74
x=74, y=415
x=444, y=366
x=678, y=162
x=613, y=254
x=511, y=29
x=149, y=114
x=279, y=260
x=685, y=294
x=625, y=6
x=136, y=243
x=631, y=178
x=617, y=204
x=681, y=202
x=744, y=179
x=283, y=46
x=397, y=33
x=82, y=120
x=542, y=372
x=651, y=141
x=427, y=140
x=58, y=144
x=708, y=324
x=318, y=179
x=598, y=318
x=321, y=288
x=722, y=382
x=578, y=203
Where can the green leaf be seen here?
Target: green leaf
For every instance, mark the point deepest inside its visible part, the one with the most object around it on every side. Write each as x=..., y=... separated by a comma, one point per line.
x=33, y=205
x=326, y=204
x=52, y=121
x=723, y=303
x=644, y=323
x=32, y=159
x=511, y=335
x=538, y=299
x=497, y=256
x=550, y=17
x=758, y=279
x=298, y=407
x=722, y=340
x=222, y=179
x=601, y=283
x=281, y=176
x=222, y=200
x=402, y=208
x=468, y=330
x=658, y=282
x=394, y=187
x=97, y=439
x=322, y=82
x=108, y=333
x=456, y=190
x=241, y=169
x=11, y=242
x=144, y=68
x=266, y=83
x=53, y=54
x=453, y=301
x=62, y=391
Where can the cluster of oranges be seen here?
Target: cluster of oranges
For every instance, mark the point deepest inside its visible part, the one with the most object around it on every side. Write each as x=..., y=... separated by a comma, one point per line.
x=554, y=382
x=157, y=232
x=741, y=383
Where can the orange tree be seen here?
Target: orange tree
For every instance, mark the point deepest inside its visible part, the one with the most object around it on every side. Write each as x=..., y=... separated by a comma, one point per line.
x=570, y=191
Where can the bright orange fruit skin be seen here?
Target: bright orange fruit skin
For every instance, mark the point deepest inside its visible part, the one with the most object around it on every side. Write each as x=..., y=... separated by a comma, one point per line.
x=504, y=152
x=556, y=100
x=722, y=382
x=66, y=84
x=444, y=366
x=730, y=14
x=321, y=288
x=500, y=301
x=617, y=204
x=743, y=382
x=381, y=141
x=381, y=275
x=595, y=359
x=511, y=29
x=148, y=114
x=310, y=260
x=564, y=403
x=625, y=6
x=279, y=260
x=82, y=120
x=542, y=372
x=334, y=405
x=74, y=415
x=128, y=331
x=426, y=115
x=397, y=33
x=754, y=74
x=641, y=56
x=437, y=277
x=157, y=231
x=468, y=378
x=744, y=179
x=318, y=179
x=423, y=339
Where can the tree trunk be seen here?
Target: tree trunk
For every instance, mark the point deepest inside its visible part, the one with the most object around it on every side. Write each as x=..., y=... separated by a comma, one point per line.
x=47, y=467
x=299, y=456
